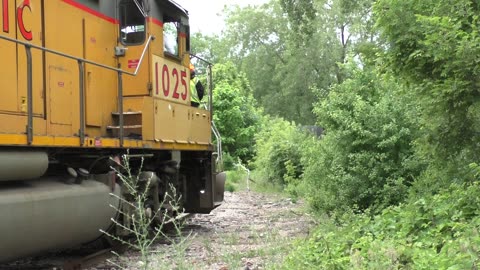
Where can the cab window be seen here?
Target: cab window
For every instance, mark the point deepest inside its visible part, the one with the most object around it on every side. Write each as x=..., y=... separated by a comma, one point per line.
x=170, y=37
x=132, y=24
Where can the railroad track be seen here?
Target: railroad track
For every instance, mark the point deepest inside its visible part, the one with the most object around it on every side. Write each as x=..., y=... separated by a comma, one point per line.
x=88, y=261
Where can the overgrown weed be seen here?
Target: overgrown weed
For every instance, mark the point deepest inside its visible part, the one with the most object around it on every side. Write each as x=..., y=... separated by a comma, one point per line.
x=140, y=223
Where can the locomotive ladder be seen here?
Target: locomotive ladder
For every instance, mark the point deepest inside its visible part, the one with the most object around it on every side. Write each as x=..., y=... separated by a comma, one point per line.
x=81, y=70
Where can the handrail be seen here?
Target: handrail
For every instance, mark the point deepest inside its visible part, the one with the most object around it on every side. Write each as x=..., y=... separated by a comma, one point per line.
x=219, y=144
x=79, y=58
x=81, y=75
x=201, y=59
x=210, y=88
x=81, y=63
x=239, y=164
x=29, y=95
x=150, y=38
x=209, y=82
x=215, y=131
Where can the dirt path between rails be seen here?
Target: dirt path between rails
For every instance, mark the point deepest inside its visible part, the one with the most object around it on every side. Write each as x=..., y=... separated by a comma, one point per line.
x=249, y=231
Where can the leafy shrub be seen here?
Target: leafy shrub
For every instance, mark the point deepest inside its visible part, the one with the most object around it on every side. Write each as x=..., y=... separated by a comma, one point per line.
x=294, y=185
x=229, y=186
x=278, y=149
x=236, y=178
x=366, y=157
x=228, y=161
x=435, y=232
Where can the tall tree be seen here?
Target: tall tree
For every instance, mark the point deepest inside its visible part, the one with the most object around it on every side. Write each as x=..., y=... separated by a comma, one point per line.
x=290, y=49
x=212, y=48
x=282, y=73
x=301, y=14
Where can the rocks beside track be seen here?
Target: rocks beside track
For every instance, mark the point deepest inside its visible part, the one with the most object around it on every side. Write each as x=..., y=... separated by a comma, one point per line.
x=248, y=231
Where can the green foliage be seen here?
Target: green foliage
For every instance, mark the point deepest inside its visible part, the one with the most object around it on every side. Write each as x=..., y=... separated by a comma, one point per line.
x=237, y=176
x=236, y=179
x=260, y=36
x=278, y=148
x=365, y=158
x=435, y=47
x=301, y=13
x=287, y=49
x=435, y=232
x=212, y=48
x=228, y=73
x=228, y=161
x=294, y=184
x=236, y=115
x=264, y=50
x=229, y=186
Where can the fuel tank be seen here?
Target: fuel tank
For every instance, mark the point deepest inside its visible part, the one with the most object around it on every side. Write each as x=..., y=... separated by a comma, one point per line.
x=46, y=214
x=18, y=165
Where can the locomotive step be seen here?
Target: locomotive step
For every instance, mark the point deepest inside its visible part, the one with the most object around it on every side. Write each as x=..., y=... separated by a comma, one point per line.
x=124, y=127
x=127, y=113
x=131, y=120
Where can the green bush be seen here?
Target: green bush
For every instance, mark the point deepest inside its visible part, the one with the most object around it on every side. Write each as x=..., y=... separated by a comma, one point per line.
x=236, y=179
x=436, y=232
x=229, y=186
x=294, y=185
x=278, y=149
x=237, y=176
x=228, y=161
x=366, y=157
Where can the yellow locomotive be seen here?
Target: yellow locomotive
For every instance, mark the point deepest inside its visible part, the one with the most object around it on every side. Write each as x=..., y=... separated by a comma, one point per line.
x=81, y=82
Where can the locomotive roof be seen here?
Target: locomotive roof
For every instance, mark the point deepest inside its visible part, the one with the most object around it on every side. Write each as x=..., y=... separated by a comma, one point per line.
x=174, y=8
x=185, y=12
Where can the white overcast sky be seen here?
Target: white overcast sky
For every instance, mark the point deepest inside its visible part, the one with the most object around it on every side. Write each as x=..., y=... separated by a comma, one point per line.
x=206, y=15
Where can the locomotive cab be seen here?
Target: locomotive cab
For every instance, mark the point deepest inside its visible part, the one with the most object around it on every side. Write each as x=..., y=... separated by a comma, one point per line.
x=153, y=42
